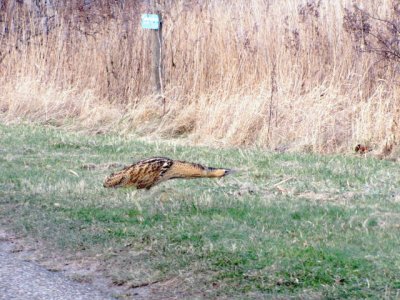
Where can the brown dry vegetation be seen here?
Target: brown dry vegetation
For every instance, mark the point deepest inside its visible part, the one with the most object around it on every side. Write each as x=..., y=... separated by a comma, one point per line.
x=287, y=74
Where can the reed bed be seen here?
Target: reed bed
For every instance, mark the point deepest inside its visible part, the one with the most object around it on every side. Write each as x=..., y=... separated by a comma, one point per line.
x=284, y=75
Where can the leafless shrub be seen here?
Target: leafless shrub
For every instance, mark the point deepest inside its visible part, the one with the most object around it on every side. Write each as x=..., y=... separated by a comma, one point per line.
x=374, y=34
x=310, y=9
x=292, y=37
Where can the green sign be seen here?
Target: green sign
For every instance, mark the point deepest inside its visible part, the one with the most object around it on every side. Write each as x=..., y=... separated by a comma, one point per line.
x=150, y=21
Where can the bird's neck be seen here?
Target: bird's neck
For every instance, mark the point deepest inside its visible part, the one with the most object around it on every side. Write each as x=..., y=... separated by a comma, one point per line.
x=190, y=170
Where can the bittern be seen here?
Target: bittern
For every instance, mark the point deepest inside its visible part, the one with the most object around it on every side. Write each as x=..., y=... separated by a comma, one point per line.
x=147, y=173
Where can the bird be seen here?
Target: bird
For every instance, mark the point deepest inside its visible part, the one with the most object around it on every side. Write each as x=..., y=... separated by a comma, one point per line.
x=147, y=173
x=361, y=149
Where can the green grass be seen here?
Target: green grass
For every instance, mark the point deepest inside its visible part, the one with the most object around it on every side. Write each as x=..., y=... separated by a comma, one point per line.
x=287, y=225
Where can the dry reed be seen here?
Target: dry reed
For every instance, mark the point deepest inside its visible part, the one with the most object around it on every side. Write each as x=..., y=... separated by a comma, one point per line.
x=92, y=70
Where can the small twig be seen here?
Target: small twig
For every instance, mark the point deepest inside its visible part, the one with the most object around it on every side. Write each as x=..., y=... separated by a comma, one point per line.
x=271, y=100
x=283, y=181
x=73, y=173
x=135, y=286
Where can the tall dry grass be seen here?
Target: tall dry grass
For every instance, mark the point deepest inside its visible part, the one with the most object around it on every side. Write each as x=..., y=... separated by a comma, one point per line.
x=278, y=74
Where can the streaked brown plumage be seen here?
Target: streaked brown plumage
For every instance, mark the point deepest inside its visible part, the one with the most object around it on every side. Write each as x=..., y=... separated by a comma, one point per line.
x=148, y=172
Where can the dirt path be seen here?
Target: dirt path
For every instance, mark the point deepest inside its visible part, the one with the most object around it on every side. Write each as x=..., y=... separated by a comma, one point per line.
x=21, y=279
x=29, y=271
x=25, y=280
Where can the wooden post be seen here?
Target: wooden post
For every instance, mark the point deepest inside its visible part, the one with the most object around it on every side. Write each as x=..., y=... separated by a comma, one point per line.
x=157, y=67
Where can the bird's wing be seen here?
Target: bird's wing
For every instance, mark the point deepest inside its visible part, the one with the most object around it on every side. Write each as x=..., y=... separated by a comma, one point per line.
x=149, y=172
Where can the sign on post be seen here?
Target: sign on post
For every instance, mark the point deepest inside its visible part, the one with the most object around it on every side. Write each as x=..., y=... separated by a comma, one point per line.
x=150, y=21
x=153, y=21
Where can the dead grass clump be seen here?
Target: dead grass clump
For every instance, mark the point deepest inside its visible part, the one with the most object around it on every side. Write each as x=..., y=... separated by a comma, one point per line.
x=31, y=100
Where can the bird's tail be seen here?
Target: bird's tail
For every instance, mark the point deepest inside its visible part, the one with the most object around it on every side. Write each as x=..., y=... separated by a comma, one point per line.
x=115, y=180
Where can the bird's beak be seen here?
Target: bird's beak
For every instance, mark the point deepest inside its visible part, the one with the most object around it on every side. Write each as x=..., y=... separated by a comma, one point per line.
x=230, y=171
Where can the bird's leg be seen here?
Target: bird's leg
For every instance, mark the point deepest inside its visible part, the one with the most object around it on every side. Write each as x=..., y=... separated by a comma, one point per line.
x=165, y=193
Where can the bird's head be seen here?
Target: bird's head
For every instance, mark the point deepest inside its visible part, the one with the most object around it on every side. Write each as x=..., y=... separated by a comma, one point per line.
x=220, y=172
x=229, y=171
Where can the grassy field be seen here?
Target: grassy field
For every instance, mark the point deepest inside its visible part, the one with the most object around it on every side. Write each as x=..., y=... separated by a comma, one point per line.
x=296, y=225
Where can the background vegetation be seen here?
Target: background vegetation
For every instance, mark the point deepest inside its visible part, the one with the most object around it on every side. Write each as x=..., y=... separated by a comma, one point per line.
x=288, y=74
